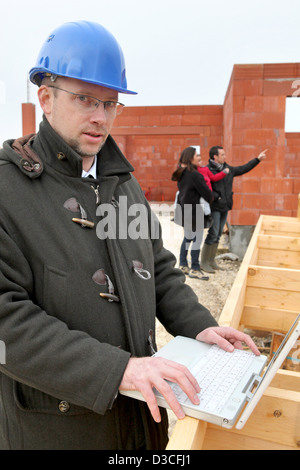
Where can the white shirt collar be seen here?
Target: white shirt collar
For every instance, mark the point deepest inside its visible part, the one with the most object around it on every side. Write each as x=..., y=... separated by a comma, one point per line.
x=92, y=171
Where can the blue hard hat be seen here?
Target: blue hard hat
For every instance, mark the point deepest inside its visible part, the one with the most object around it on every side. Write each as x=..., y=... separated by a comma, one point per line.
x=83, y=50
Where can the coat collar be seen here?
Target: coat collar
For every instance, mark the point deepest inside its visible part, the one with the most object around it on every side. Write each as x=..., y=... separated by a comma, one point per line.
x=32, y=153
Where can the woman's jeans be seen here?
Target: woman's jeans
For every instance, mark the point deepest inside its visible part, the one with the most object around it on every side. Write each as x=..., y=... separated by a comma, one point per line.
x=216, y=229
x=194, y=244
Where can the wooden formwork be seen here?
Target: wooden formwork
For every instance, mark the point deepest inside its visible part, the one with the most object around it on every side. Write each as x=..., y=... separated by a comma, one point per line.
x=265, y=296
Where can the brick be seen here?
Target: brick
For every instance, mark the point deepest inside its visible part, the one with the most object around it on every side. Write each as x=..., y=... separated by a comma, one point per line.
x=211, y=119
x=247, y=121
x=288, y=70
x=273, y=120
x=190, y=120
x=262, y=137
x=296, y=186
x=254, y=104
x=28, y=119
x=278, y=88
x=170, y=120
x=250, y=184
x=274, y=104
x=246, y=217
x=238, y=104
x=276, y=185
x=247, y=71
x=247, y=87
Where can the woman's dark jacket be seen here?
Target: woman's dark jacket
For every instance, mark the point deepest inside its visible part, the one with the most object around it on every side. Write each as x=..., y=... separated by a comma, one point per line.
x=67, y=346
x=192, y=187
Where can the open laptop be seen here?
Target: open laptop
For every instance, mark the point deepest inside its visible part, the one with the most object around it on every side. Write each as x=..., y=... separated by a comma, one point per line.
x=227, y=380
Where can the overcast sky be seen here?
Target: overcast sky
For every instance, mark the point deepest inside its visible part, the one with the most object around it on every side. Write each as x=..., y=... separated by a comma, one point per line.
x=176, y=51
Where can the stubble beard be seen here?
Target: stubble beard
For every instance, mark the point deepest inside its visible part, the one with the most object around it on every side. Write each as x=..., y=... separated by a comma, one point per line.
x=75, y=145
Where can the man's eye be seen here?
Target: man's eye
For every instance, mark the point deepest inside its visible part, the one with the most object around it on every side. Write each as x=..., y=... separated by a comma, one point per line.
x=82, y=98
x=110, y=104
x=86, y=100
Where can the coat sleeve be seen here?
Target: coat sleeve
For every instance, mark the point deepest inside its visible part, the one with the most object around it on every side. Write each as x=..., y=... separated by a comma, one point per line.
x=242, y=169
x=42, y=352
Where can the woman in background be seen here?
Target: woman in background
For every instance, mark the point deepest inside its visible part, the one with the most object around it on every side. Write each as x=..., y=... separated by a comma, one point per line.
x=188, y=211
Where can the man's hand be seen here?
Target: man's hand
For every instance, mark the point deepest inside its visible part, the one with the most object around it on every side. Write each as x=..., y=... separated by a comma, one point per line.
x=144, y=373
x=227, y=338
x=262, y=155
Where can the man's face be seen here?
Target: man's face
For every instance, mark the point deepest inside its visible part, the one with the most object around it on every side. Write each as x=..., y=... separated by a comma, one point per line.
x=84, y=130
x=221, y=157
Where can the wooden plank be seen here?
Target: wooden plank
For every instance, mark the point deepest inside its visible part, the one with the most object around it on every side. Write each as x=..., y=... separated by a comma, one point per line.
x=272, y=298
x=188, y=434
x=267, y=319
x=266, y=424
x=216, y=439
x=286, y=379
x=279, y=258
x=287, y=226
x=278, y=242
x=274, y=278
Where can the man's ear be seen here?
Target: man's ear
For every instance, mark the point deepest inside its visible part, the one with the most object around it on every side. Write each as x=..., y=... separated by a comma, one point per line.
x=45, y=97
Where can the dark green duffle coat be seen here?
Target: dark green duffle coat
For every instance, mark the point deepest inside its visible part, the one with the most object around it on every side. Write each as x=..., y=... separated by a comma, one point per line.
x=66, y=346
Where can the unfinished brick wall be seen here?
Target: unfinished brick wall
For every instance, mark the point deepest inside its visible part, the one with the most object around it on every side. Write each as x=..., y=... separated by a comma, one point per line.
x=152, y=138
x=251, y=120
x=254, y=119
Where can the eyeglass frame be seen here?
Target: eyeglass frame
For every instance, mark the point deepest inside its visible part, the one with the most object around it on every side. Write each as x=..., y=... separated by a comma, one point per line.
x=97, y=100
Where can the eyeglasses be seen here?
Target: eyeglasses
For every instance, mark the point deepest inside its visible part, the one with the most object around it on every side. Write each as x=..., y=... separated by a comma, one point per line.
x=89, y=103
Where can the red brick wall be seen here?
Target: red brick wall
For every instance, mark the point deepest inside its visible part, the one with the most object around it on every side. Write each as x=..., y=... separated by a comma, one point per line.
x=251, y=120
x=152, y=138
x=254, y=119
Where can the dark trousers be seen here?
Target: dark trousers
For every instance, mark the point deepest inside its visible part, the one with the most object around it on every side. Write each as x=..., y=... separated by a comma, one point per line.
x=216, y=229
x=194, y=244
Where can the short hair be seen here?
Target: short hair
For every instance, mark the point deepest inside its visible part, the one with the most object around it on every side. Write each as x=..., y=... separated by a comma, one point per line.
x=214, y=151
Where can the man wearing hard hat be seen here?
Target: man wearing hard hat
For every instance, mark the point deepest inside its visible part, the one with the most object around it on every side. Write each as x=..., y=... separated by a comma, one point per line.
x=78, y=309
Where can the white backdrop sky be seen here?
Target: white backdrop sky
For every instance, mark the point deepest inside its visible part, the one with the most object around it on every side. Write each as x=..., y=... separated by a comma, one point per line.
x=176, y=51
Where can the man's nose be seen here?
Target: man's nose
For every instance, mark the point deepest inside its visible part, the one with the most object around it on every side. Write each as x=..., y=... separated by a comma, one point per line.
x=99, y=114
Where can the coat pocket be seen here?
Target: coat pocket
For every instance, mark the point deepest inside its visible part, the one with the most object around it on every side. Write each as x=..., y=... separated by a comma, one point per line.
x=29, y=399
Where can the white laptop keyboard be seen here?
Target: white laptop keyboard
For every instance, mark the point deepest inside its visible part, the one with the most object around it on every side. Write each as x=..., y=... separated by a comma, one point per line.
x=218, y=373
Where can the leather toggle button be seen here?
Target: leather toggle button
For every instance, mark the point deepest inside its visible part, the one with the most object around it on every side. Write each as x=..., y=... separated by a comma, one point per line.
x=83, y=222
x=109, y=297
x=63, y=406
x=61, y=156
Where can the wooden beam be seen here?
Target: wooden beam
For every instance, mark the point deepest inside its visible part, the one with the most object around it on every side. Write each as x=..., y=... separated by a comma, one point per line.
x=274, y=225
x=278, y=242
x=188, y=434
x=272, y=298
x=274, y=278
x=267, y=319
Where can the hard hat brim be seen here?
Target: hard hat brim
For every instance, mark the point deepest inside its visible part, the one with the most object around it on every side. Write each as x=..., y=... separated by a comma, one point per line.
x=37, y=74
